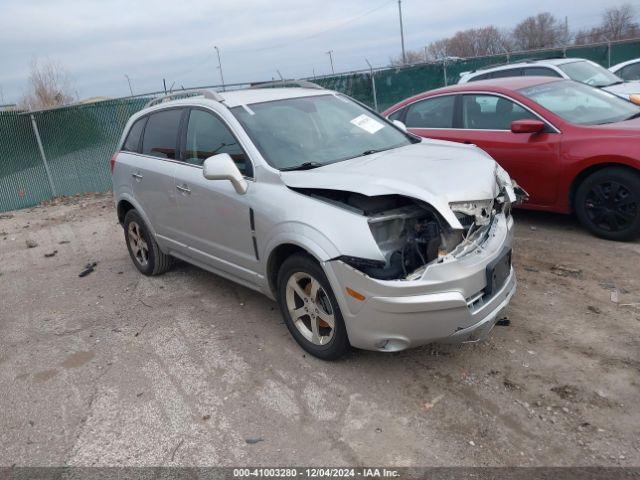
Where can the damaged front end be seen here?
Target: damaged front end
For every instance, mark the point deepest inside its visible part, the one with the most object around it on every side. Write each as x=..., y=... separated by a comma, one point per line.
x=412, y=235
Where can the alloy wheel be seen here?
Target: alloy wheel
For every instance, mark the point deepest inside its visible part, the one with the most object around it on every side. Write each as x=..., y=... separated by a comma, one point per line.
x=310, y=308
x=139, y=246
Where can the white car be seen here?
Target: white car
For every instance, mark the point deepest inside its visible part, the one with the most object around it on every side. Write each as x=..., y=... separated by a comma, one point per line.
x=628, y=71
x=578, y=69
x=366, y=235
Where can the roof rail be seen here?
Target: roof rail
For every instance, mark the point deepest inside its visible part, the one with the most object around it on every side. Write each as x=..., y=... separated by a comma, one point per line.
x=208, y=94
x=520, y=60
x=287, y=83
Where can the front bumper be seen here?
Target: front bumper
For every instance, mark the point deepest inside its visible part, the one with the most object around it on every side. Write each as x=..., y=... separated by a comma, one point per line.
x=446, y=305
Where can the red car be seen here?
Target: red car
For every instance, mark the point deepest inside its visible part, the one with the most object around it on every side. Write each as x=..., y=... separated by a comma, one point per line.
x=570, y=146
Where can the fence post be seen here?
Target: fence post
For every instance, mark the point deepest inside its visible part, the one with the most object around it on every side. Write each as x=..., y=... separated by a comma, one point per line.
x=373, y=86
x=44, y=158
x=444, y=68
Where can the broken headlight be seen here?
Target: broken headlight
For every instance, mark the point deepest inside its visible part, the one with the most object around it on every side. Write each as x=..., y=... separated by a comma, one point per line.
x=479, y=210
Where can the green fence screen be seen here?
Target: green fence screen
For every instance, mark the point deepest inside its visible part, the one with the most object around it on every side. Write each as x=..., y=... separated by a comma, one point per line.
x=78, y=141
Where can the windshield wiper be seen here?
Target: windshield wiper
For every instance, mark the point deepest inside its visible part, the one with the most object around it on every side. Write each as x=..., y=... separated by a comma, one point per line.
x=302, y=166
x=635, y=115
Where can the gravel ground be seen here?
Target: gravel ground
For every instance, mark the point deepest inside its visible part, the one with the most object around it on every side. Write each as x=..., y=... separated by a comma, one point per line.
x=190, y=369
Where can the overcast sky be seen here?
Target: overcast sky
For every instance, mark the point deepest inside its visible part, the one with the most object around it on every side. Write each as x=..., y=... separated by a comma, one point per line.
x=101, y=41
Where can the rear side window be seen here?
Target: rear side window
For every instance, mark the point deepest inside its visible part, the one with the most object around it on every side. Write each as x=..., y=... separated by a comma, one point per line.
x=161, y=134
x=510, y=72
x=540, y=72
x=630, y=72
x=484, y=76
x=132, y=143
x=431, y=113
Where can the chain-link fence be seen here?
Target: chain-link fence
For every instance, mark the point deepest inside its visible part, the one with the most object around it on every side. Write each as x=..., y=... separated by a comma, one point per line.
x=381, y=88
x=66, y=151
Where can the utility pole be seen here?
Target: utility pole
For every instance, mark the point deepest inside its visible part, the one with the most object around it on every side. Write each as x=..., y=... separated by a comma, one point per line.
x=129, y=81
x=220, y=67
x=426, y=56
x=164, y=85
x=404, y=55
x=330, y=53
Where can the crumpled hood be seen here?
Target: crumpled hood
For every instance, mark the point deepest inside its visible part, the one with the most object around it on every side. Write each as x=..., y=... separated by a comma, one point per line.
x=624, y=89
x=435, y=171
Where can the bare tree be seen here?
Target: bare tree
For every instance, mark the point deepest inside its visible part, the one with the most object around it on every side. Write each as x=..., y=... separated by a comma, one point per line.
x=618, y=23
x=413, y=56
x=474, y=42
x=49, y=86
x=540, y=31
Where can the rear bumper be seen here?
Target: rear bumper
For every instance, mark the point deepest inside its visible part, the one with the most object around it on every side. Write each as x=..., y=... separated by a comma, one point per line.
x=446, y=305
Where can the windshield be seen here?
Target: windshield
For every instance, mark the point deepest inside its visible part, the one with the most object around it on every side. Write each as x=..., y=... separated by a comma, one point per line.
x=589, y=73
x=315, y=131
x=580, y=104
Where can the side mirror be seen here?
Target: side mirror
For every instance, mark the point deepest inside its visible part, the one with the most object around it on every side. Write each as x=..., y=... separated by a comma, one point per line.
x=222, y=167
x=527, y=126
x=400, y=125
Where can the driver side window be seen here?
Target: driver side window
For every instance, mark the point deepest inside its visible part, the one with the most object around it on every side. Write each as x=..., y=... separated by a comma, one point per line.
x=489, y=112
x=207, y=135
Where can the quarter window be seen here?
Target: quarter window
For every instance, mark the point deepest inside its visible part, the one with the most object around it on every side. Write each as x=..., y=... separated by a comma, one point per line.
x=207, y=135
x=489, y=112
x=434, y=112
x=132, y=143
x=396, y=115
x=161, y=134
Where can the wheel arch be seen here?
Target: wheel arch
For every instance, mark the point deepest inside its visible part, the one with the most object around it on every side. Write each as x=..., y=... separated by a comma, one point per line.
x=127, y=203
x=591, y=169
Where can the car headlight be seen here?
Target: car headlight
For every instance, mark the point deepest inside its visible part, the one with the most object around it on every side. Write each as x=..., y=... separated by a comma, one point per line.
x=505, y=183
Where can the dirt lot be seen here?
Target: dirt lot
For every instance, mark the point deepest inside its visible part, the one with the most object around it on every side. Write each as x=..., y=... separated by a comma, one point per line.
x=190, y=369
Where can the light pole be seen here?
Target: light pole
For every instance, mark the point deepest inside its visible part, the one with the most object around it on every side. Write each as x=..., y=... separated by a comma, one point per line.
x=404, y=55
x=129, y=81
x=330, y=53
x=220, y=67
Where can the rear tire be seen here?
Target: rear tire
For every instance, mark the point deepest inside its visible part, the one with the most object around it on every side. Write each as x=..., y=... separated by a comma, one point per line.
x=608, y=203
x=143, y=248
x=310, y=309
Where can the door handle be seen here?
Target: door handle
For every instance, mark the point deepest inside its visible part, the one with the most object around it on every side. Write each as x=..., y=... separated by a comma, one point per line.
x=183, y=189
x=137, y=176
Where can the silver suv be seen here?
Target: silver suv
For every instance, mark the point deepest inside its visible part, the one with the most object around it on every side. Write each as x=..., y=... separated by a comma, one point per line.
x=365, y=235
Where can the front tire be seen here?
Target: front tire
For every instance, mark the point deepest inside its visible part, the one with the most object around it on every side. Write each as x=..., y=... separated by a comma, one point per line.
x=608, y=203
x=310, y=309
x=143, y=248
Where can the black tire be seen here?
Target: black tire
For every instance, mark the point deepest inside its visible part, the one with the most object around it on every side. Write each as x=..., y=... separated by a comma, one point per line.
x=608, y=203
x=338, y=344
x=157, y=262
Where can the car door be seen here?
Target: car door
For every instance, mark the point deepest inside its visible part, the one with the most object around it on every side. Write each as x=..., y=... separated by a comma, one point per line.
x=153, y=169
x=215, y=221
x=531, y=159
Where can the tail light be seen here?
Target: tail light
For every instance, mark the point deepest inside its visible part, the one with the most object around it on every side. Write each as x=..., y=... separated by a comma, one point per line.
x=112, y=162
